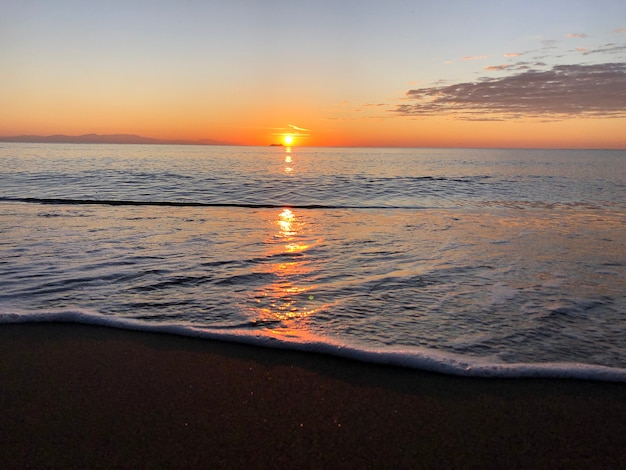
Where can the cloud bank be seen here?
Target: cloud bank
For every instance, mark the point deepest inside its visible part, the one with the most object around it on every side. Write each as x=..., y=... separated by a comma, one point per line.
x=564, y=91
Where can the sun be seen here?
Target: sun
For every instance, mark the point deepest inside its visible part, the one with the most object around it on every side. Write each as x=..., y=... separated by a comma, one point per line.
x=288, y=139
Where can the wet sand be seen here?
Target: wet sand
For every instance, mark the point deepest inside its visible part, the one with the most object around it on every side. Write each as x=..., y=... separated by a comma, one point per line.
x=85, y=396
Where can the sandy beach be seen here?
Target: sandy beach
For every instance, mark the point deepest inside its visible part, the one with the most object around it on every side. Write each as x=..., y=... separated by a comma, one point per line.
x=85, y=396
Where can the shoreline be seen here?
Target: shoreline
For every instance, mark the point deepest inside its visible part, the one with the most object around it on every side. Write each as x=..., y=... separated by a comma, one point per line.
x=84, y=396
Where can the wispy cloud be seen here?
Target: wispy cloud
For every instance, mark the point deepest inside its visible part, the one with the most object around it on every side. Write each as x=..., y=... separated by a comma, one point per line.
x=564, y=91
x=620, y=30
x=292, y=130
x=498, y=68
x=302, y=129
x=474, y=57
x=521, y=65
x=549, y=43
x=513, y=54
x=610, y=48
x=576, y=35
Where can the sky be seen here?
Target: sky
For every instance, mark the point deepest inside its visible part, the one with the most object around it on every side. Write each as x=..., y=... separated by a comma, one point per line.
x=444, y=73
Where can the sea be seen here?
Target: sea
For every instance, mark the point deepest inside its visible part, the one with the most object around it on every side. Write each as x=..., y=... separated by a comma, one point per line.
x=473, y=262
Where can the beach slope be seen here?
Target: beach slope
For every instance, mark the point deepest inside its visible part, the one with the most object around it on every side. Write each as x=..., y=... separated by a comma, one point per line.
x=86, y=396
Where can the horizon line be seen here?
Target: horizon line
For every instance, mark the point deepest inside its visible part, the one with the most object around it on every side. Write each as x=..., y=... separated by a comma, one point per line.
x=142, y=140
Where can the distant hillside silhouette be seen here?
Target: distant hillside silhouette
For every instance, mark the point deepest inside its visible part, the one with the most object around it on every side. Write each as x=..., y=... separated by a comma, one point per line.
x=105, y=139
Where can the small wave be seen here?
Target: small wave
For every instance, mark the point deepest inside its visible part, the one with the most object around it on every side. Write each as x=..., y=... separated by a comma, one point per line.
x=414, y=358
x=174, y=282
x=114, y=202
x=247, y=279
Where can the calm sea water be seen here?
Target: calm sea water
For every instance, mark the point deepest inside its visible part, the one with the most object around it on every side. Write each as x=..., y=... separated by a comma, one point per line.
x=483, y=262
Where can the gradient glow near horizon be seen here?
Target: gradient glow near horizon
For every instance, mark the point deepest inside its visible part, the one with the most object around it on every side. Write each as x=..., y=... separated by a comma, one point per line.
x=354, y=73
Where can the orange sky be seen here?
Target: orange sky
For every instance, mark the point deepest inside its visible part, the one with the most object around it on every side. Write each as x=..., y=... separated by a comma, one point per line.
x=517, y=75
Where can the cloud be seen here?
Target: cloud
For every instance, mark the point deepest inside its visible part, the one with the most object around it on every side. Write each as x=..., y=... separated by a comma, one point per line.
x=549, y=43
x=522, y=65
x=292, y=130
x=498, y=68
x=576, y=35
x=620, y=30
x=562, y=92
x=513, y=54
x=474, y=57
x=298, y=128
x=610, y=48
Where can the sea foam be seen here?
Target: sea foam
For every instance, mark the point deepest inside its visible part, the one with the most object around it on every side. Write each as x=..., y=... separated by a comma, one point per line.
x=423, y=359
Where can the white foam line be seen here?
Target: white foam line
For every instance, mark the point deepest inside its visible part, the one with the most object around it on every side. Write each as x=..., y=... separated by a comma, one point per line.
x=424, y=359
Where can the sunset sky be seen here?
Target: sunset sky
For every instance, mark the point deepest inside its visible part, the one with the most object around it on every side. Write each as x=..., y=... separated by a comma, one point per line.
x=445, y=73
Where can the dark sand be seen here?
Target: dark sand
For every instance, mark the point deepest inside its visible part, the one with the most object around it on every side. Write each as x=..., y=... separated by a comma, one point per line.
x=84, y=396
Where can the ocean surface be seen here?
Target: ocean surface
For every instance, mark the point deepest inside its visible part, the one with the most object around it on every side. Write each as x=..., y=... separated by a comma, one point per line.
x=504, y=263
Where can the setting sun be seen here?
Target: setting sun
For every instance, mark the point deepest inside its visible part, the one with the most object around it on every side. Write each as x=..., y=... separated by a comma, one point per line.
x=502, y=90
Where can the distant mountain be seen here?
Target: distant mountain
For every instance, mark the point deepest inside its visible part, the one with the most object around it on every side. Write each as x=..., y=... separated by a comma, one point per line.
x=105, y=139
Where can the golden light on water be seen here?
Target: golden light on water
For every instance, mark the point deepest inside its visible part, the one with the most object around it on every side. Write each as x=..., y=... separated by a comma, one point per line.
x=288, y=160
x=285, y=222
x=290, y=297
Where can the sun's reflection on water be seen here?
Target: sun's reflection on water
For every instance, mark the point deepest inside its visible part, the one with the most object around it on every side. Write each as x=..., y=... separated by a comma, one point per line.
x=286, y=222
x=290, y=298
x=288, y=160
